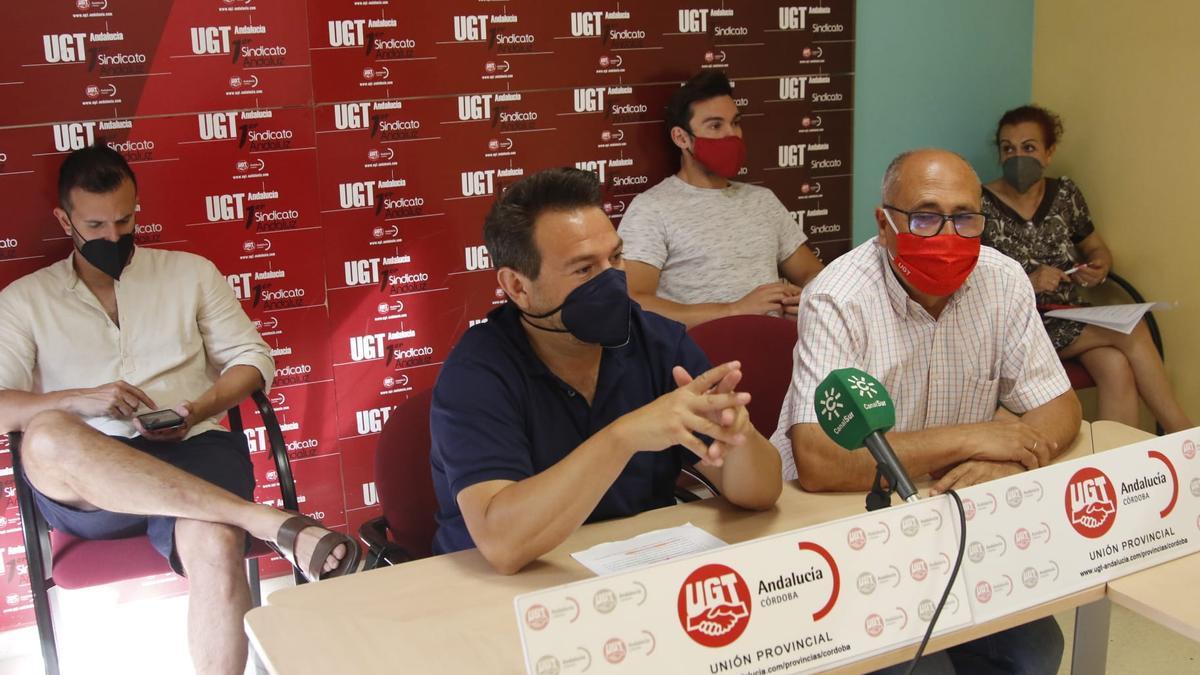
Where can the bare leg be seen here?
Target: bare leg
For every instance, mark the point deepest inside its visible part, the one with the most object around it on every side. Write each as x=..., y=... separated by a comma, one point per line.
x=1148, y=370
x=1116, y=387
x=218, y=597
x=73, y=464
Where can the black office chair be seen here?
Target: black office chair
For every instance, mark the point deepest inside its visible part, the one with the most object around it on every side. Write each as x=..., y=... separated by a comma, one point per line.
x=58, y=559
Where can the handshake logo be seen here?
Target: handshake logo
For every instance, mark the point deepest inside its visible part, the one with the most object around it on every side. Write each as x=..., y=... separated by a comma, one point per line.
x=714, y=605
x=1091, y=502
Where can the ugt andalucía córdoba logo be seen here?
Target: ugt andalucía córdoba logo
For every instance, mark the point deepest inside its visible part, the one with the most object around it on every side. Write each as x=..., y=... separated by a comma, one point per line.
x=714, y=605
x=1091, y=502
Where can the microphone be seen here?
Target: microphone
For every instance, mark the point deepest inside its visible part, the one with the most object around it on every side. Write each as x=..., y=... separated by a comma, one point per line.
x=854, y=410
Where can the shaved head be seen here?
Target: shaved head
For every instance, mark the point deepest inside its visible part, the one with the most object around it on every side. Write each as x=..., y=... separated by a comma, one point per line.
x=925, y=164
x=931, y=180
x=928, y=180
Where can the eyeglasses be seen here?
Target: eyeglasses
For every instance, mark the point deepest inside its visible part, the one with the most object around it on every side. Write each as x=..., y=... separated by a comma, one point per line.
x=928, y=223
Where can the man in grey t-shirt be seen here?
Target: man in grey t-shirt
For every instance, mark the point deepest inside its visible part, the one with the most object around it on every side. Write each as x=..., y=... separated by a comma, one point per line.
x=699, y=246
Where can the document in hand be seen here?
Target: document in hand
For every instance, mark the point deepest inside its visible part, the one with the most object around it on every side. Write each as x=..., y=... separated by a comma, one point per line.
x=1121, y=318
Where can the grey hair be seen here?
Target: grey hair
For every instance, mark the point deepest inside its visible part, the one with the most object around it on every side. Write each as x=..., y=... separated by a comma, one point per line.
x=891, y=175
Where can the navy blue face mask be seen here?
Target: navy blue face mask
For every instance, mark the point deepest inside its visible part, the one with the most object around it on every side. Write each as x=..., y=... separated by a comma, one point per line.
x=598, y=312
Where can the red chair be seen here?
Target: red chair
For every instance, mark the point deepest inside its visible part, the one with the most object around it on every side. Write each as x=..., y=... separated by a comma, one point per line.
x=764, y=346
x=58, y=559
x=1078, y=375
x=402, y=479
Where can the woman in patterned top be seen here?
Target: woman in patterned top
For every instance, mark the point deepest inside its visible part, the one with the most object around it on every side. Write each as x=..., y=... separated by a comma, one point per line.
x=1044, y=224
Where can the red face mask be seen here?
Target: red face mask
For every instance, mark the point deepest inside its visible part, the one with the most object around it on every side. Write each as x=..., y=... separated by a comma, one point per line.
x=937, y=265
x=723, y=156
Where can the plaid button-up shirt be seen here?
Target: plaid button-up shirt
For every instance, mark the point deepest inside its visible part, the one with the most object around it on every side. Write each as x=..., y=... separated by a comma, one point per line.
x=988, y=348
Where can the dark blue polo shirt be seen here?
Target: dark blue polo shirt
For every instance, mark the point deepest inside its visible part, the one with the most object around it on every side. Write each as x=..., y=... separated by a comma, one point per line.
x=500, y=414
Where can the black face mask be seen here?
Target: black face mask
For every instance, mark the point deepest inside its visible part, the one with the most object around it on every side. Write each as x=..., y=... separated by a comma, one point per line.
x=109, y=257
x=598, y=312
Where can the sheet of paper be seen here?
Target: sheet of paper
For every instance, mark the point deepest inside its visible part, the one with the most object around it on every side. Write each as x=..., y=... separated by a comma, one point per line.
x=1121, y=318
x=646, y=549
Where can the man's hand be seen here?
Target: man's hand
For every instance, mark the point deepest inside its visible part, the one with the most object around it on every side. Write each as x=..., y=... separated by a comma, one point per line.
x=672, y=419
x=736, y=419
x=972, y=472
x=1092, y=274
x=767, y=298
x=1008, y=441
x=119, y=400
x=1046, y=278
x=171, y=433
x=791, y=301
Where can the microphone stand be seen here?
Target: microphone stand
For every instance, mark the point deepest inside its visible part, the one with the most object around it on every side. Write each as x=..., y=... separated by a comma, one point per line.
x=880, y=497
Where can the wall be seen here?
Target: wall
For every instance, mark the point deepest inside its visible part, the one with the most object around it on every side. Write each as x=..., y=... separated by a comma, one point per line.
x=934, y=73
x=1124, y=82
x=335, y=159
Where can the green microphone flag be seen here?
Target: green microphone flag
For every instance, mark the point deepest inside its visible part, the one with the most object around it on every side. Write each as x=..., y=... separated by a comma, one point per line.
x=855, y=410
x=851, y=405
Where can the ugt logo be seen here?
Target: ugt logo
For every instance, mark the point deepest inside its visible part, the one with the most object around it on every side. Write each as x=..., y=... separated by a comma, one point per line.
x=1091, y=502
x=714, y=605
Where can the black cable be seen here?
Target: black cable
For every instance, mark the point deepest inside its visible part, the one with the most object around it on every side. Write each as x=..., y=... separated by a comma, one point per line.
x=962, y=547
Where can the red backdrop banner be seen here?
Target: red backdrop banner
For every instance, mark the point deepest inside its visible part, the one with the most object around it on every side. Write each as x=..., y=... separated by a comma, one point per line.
x=335, y=159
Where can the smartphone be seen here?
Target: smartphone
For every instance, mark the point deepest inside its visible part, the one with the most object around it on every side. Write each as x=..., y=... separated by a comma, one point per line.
x=160, y=419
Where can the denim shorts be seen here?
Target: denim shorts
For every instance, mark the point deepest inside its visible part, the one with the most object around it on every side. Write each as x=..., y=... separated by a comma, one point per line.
x=219, y=457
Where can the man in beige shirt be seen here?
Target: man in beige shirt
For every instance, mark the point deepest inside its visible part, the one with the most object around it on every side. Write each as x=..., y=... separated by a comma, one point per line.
x=112, y=332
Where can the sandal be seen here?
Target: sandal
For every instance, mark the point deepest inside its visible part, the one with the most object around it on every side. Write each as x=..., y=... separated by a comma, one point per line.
x=285, y=545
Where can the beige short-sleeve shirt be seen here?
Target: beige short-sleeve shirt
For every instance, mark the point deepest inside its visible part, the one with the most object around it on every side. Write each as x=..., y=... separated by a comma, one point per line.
x=180, y=327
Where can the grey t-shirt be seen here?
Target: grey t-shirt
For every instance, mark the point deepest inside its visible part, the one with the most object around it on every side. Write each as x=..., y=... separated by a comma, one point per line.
x=710, y=245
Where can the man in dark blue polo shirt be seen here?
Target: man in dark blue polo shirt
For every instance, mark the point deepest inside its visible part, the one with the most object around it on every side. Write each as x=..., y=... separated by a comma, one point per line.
x=571, y=404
